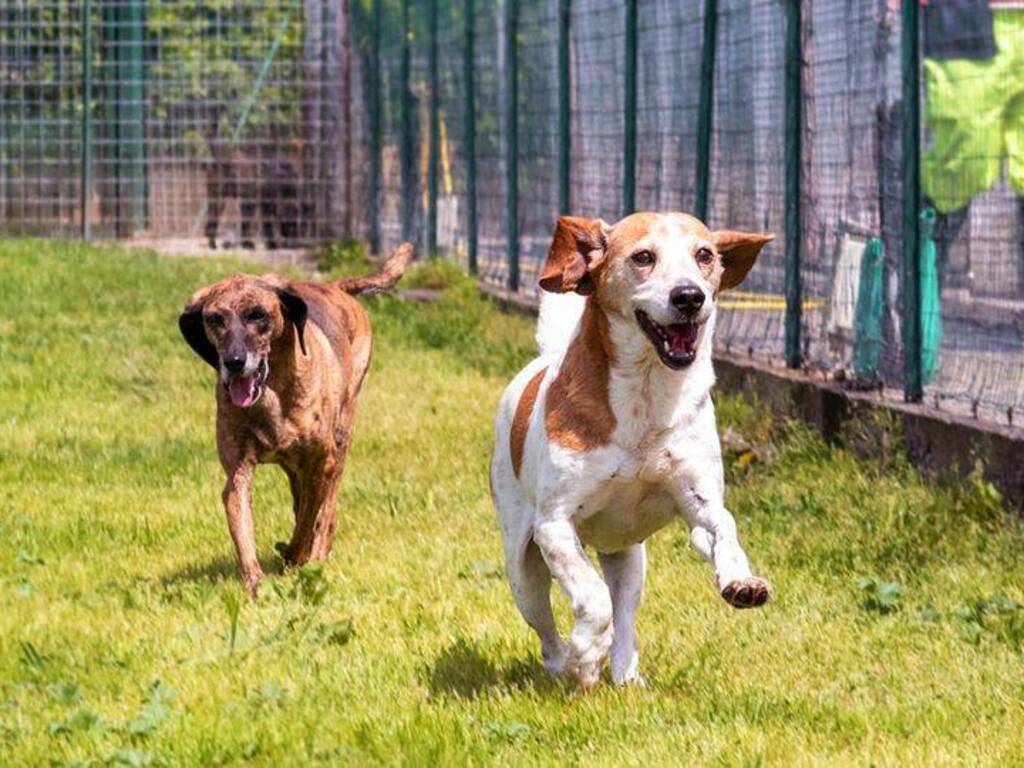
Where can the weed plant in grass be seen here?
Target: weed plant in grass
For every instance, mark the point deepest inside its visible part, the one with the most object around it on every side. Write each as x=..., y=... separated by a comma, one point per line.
x=895, y=636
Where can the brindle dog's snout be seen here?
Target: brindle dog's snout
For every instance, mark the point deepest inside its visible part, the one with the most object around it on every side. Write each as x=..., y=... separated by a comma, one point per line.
x=687, y=297
x=234, y=363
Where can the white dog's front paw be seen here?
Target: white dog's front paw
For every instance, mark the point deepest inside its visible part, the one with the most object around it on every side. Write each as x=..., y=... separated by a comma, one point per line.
x=587, y=656
x=627, y=672
x=751, y=592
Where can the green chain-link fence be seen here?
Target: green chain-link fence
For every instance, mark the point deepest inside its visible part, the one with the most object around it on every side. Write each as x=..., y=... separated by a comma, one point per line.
x=880, y=140
x=170, y=120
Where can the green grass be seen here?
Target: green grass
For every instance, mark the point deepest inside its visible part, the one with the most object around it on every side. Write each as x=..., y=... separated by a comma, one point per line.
x=895, y=637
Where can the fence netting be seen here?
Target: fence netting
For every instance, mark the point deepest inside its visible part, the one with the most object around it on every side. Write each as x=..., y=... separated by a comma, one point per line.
x=281, y=122
x=198, y=121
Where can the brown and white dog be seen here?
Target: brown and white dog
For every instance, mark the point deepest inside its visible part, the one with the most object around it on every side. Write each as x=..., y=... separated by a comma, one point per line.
x=610, y=434
x=291, y=357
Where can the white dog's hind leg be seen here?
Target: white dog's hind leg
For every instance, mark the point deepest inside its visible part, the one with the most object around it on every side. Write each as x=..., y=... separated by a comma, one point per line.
x=625, y=571
x=531, y=586
x=591, y=603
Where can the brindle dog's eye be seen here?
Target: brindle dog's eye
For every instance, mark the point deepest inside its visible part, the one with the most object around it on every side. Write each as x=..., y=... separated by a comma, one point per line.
x=705, y=257
x=215, y=321
x=255, y=316
x=643, y=258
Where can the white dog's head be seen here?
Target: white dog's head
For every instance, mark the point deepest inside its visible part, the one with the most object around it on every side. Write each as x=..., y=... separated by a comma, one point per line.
x=663, y=270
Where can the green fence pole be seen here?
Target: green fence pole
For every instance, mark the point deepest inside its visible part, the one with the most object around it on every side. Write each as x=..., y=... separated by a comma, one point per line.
x=435, y=134
x=911, y=151
x=705, y=110
x=512, y=140
x=794, y=129
x=86, y=172
x=408, y=150
x=470, y=126
x=131, y=102
x=564, y=106
x=375, y=123
x=629, y=111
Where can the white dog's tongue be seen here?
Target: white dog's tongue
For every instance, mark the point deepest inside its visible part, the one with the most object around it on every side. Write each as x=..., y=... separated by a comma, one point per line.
x=243, y=390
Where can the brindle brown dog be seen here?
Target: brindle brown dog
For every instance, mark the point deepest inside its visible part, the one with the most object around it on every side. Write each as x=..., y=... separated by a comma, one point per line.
x=291, y=357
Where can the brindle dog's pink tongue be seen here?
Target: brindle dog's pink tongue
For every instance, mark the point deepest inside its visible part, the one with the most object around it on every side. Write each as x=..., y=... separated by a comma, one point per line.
x=242, y=390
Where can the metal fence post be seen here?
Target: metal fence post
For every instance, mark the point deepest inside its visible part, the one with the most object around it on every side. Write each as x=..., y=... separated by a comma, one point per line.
x=512, y=140
x=435, y=131
x=629, y=110
x=375, y=123
x=86, y=171
x=408, y=193
x=131, y=106
x=470, y=126
x=564, y=106
x=794, y=131
x=705, y=110
x=911, y=152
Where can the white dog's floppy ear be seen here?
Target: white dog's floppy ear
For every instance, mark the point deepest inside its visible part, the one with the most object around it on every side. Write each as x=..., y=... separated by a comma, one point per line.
x=739, y=252
x=577, y=248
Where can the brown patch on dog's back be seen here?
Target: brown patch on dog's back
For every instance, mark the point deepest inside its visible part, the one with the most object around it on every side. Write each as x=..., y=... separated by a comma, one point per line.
x=578, y=413
x=521, y=420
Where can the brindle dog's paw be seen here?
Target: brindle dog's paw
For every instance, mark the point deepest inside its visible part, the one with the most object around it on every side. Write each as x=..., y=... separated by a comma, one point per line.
x=747, y=593
x=284, y=549
x=251, y=583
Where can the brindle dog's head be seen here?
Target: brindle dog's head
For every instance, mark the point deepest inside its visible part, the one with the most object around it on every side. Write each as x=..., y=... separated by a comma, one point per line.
x=233, y=324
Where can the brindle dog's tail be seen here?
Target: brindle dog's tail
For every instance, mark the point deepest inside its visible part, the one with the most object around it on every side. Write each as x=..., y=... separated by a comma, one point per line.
x=390, y=272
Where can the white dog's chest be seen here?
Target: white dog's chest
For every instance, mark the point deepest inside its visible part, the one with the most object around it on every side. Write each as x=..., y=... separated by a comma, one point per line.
x=622, y=513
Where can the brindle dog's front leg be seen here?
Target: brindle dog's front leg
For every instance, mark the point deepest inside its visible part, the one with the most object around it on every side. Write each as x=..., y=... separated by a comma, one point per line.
x=238, y=506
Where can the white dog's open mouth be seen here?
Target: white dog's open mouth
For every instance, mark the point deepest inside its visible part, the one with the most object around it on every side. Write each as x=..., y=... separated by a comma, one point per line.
x=676, y=344
x=246, y=390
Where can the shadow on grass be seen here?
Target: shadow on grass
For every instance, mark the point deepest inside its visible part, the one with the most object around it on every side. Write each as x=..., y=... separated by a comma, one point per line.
x=463, y=670
x=218, y=569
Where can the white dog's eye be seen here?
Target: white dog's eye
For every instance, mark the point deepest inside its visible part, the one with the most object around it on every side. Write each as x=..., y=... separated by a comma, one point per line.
x=704, y=257
x=643, y=258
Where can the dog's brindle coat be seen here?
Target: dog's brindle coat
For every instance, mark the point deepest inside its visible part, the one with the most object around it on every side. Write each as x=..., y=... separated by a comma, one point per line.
x=291, y=357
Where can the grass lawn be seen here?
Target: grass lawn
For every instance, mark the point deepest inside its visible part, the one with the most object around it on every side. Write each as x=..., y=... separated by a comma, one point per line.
x=896, y=635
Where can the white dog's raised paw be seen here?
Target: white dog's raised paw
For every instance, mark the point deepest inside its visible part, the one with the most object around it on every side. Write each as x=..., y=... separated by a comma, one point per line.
x=747, y=593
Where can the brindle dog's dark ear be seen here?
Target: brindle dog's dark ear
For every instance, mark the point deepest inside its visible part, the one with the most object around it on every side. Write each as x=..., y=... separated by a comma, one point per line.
x=295, y=309
x=190, y=321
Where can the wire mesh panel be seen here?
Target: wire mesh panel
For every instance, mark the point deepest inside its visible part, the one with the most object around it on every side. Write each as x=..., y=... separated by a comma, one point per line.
x=669, y=37
x=41, y=73
x=491, y=98
x=538, y=135
x=452, y=203
x=392, y=93
x=598, y=53
x=852, y=52
x=972, y=283
x=747, y=173
x=205, y=120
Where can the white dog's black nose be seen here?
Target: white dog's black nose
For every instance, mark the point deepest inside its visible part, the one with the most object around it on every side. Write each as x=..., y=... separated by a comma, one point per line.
x=234, y=364
x=687, y=297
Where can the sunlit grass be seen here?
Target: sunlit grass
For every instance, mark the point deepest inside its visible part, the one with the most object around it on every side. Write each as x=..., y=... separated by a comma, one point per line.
x=124, y=636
